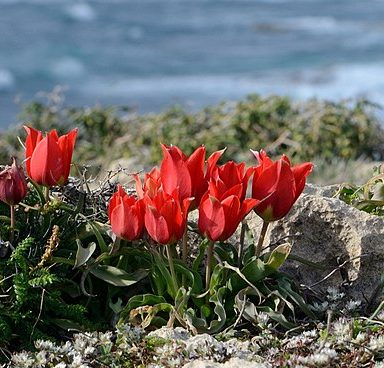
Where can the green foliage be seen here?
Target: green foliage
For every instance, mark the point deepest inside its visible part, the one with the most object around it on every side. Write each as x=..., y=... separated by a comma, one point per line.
x=368, y=197
x=311, y=130
x=64, y=272
x=41, y=296
x=235, y=293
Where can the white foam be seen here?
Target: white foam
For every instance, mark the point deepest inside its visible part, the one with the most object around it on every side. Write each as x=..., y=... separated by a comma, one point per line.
x=7, y=80
x=67, y=67
x=315, y=24
x=172, y=85
x=81, y=11
x=334, y=82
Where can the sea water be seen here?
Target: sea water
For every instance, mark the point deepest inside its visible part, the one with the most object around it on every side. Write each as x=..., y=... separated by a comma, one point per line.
x=151, y=54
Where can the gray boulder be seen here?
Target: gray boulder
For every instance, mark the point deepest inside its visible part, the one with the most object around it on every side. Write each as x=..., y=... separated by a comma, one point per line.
x=346, y=244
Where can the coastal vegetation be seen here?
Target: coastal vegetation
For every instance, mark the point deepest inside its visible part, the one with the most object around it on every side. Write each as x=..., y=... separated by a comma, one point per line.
x=341, y=138
x=84, y=254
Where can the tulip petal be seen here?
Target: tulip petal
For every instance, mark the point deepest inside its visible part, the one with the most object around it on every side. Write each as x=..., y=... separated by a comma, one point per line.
x=196, y=165
x=212, y=162
x=174, y=172
x=46, y=165
x=156, y=225
x=300, y=172
x=231, y=207
x=67, y=144
x=281, y=198
x=125, y=222
x=211, y=217
x=33, y=138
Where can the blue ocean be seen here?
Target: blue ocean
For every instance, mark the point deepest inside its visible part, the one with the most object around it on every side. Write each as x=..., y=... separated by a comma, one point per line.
x=150, y=54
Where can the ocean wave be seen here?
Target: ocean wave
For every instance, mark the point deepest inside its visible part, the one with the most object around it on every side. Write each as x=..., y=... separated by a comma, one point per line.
x=171, y=85
x=81, y=11
x=7, y=79
x=312, y=24
x=335, y=82
x=67, y=67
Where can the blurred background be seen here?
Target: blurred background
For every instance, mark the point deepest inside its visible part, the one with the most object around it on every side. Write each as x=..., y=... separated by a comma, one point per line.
x=151, y=54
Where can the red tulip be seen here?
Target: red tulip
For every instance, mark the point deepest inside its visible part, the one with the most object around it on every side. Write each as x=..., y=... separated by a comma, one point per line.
x=165, y=216
x=222, y=209
x=189, y=174
x=126, y=214
x=152, y=183
x=48, y=159
x=277, y=185
x=230, y=175
x=13, y=186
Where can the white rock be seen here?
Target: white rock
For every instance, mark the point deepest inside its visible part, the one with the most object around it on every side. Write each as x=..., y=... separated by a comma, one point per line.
x=327, y=231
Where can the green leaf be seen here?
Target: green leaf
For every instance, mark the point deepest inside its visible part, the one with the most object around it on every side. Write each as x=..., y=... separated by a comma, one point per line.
x=116, y=307
x=143, y=299
x=164, y=275
x=226, y=252
x=200, y=256
x=217, y=324
x=5, y=219
x=67, y=324
x=251, y=311
x=193, y=278
x=285, y=285
x=116, y=276
x=139, y=301
x=217, y=292
x=279, y=255
x=83, y=254
x=256, y=270
x=100, y=240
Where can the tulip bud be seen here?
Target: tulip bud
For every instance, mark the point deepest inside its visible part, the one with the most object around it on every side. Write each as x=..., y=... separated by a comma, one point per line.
x=126, y=215
x=13, y=186
x=277, y=185
x=48, y=159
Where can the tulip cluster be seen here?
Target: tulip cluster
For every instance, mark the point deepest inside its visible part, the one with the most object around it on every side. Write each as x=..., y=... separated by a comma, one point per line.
x=182, y=183
x=218, y=192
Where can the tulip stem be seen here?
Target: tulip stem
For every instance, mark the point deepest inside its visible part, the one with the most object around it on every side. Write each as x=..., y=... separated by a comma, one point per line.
x=12, y=230
x=209, y=264
x=115, y=246
x=172, y=268
x=259, y=246
x=46, y=194
x=241, y=245
x=184, y=248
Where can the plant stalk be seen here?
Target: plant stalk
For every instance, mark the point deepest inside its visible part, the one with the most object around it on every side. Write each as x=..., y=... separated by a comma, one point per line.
x=208, y=270
x=12, y=231
x=241, y=245
x=115, y=246
x=184, y=248
x=46, y=192
x=259, y=246
x=172, y=267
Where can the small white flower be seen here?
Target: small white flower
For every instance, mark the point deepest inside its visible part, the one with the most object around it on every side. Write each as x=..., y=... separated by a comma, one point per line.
x=352, y=305
x=41, y=359
x=45, y=345
x=376, y=343
x=342, y=329
x=22, y=360
x=60, y=365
